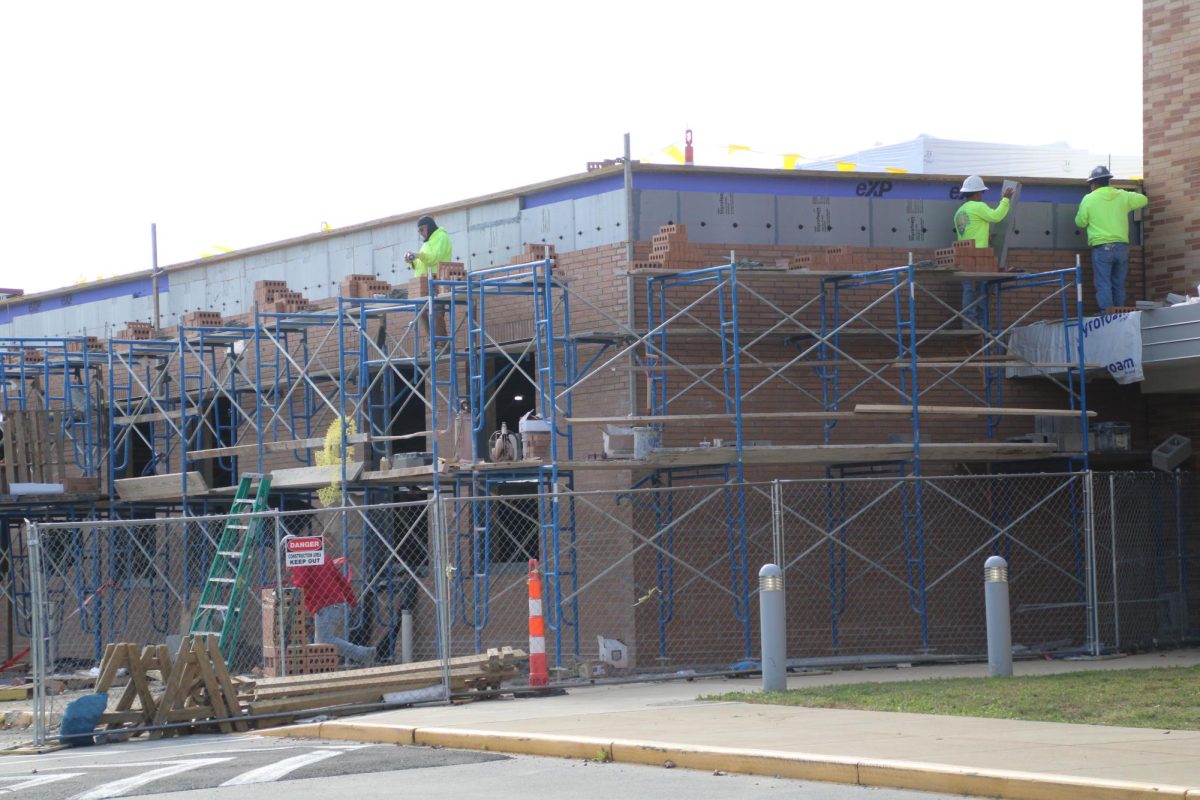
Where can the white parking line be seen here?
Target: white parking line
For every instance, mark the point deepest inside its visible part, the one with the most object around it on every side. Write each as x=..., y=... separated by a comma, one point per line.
x=118, y=788
x=40, y=780
x=273, y=772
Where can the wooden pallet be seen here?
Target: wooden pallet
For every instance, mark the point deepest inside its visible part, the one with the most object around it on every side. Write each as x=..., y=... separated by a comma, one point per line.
x=34, y=448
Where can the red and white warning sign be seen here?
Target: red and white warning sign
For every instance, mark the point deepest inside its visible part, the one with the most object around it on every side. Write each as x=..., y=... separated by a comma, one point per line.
x=304, y=551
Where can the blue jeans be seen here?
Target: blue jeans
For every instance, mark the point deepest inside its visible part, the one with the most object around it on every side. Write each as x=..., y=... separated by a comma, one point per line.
x=328, y=630
x=1110, y=264
x=974, y=298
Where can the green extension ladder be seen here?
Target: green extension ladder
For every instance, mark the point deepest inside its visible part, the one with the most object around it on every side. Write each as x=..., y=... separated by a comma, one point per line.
x=220, y=610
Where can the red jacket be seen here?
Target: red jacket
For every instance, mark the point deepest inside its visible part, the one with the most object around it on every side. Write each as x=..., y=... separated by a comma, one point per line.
x=323, y=586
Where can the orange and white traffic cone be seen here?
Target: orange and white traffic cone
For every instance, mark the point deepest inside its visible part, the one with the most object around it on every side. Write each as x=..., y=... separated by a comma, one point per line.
x=539, y=675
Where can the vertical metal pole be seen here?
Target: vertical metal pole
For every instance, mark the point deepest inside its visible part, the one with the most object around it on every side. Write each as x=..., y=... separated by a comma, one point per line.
x=279, y=595
x=629, y=302
x=777, y=522
x=37, y=634
x=154, y=271
x=445, y=573
x=628, y=203
x=772, y=612
x=406, y=634
x=1112, y=546
x=999, y=632
x=1089, y=551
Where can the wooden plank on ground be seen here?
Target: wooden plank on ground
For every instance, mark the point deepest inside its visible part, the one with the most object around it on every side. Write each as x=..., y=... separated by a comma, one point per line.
x=500, y=656
x=160, y=487
x=968, y=411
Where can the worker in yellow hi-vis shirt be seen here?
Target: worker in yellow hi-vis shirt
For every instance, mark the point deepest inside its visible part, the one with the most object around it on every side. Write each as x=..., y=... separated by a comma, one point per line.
x=434, y=251
x=1104, y=212
x=973, y=220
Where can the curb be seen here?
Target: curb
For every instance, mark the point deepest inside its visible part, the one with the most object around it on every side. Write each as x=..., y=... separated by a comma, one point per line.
x=880, y=773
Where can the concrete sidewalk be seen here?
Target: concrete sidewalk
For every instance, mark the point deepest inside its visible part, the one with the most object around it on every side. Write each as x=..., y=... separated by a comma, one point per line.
x=651, y=723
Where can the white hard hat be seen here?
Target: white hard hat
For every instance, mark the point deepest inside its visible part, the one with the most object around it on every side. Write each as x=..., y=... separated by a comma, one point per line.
x=973, y=183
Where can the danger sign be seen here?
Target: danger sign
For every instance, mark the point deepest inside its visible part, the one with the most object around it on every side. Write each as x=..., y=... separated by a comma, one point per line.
x=304, y=551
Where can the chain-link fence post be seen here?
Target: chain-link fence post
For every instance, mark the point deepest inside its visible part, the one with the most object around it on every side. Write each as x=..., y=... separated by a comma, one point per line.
x=37, y=633
x=1089, y=554
x=443, y=573
x=777, y=523
x=1112, y=546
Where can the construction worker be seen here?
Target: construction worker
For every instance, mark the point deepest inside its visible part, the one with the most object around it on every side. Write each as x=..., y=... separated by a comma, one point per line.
x=328, y=597
x=1104, y=212
x=973, y=220
x=434, y=251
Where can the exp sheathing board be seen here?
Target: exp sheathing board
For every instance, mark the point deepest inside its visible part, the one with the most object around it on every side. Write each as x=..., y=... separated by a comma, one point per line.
x=825, y=220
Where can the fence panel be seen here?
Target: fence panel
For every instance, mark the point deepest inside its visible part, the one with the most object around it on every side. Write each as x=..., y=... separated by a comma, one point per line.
x=1146, y=541
x=878, y=566
x=369, y=597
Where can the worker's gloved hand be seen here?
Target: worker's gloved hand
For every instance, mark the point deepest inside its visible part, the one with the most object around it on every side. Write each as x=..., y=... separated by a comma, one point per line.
x=410, y=256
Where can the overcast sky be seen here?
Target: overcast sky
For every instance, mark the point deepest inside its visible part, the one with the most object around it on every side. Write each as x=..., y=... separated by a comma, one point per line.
x=232, y=124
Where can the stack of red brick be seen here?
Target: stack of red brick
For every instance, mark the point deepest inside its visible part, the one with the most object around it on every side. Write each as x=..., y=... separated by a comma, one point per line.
x=138, y=331
x=451, y=271
x=202, y=319
x=363, y=286
x=29, y=356
x=89, y=343
x=275, y=297
x=964, y=256
x=534, y=251
x=838, y=259
x=669, y=249
x=302, y=658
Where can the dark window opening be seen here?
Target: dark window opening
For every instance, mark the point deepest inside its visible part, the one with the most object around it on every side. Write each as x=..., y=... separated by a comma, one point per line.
x=220, y=430
x=396, y=407
x=511, y=394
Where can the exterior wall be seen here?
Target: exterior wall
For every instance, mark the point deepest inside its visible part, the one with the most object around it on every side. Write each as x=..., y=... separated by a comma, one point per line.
x=1171, y=122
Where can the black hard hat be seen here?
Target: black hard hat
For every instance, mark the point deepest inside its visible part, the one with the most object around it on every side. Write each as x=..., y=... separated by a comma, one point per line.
x=1099, y=173
x=426, y=220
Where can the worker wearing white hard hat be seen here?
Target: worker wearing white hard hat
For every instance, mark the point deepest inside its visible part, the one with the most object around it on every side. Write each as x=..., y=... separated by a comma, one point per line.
x=973, y=221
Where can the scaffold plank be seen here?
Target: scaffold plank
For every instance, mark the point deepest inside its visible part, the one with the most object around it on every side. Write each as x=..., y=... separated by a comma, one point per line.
x=651, y=418
x=969, y=411
x=314, y=477
x=160, y=487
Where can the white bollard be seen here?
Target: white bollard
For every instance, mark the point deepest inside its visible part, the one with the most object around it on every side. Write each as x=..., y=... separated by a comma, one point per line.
x=999, y=632
x=406, y=631
x=772, y=628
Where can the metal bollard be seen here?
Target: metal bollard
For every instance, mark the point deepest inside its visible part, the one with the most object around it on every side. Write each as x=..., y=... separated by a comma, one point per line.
x=772, y=628
x=999, y=631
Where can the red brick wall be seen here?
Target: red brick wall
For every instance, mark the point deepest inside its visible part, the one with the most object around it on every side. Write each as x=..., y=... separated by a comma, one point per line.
x=1171, y=121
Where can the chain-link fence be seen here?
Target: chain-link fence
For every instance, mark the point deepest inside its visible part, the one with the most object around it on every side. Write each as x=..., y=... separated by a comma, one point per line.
x=284, y=593
x=634, y=582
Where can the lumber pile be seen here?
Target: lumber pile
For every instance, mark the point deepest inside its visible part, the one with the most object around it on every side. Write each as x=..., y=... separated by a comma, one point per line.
x=299, y=693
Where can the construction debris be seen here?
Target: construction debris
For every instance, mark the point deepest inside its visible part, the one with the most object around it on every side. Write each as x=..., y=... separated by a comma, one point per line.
x=195, y=687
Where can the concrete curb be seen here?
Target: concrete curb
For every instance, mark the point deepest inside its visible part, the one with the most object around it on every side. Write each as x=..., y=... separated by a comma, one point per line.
x=915, y=775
